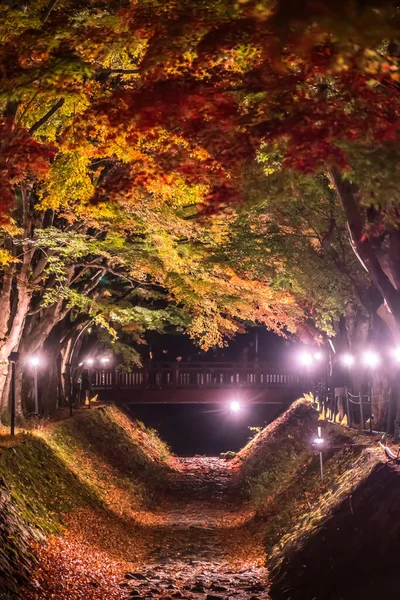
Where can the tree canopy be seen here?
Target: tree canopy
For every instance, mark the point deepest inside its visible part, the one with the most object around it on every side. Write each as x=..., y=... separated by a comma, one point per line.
x=167, y=163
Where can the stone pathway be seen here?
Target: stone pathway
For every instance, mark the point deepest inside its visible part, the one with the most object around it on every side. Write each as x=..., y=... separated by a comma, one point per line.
x=204, y=550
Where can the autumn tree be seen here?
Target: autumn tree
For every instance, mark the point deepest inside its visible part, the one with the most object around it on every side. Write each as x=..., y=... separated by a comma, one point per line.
x=139, y=117
x=315, y=83
x=99, y=220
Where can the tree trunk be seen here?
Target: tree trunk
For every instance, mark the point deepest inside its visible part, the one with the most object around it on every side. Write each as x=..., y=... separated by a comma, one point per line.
x=49, y=383
x=16, y=326
x=363, y=247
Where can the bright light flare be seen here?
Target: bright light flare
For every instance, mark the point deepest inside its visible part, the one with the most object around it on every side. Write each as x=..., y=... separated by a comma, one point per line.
x=347, y=360
x=105, y=360
x=318, y=355
x=371, y=359
x=235, y=406
x=319, y=441
x=396, y=354
x=89, y=361
x=306, y=359
x=35, y=361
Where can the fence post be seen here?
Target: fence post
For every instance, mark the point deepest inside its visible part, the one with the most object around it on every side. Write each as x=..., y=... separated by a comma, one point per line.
x=175, y=374
x=335, y=404
x=396, y=434
x=389, y=411
x=361, y=410
x=346, y=391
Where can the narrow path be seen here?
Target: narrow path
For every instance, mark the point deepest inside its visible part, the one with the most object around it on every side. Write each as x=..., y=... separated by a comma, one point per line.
x=203, y=548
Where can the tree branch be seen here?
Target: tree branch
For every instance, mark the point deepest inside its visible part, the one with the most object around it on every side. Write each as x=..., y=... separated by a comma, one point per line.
x=47, y=116
x=364, y=250
x=113, y=272
x=50, y=7
x=119, y=71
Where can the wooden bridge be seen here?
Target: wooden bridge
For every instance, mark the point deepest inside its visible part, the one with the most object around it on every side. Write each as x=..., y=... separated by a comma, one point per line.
x=199, y=383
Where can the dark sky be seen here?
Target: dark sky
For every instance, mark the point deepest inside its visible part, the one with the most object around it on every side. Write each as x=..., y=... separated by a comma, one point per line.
x=271, y=347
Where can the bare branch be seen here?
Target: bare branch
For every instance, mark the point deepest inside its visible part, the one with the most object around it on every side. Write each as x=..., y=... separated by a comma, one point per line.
x=51, y=7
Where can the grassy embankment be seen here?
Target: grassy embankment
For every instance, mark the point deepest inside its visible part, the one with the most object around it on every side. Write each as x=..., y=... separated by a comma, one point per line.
x=334, y=540
x=87, y=474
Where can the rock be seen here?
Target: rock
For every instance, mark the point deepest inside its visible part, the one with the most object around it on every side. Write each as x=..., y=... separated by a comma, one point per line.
x=138, y=576
x=95, y=584
x=218, y=588
x=198, y=587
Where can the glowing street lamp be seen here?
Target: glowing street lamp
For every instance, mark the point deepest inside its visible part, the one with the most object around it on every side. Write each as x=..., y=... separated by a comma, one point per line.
x=306, y=359
x=348, y=360
x=371, y=359
x=235, y=406
x=318, y=356
x=105, y=360
x=319, y=441
x=396, y=354
x=35, y=362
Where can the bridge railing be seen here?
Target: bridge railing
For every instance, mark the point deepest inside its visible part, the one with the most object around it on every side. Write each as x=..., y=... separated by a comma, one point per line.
x=197, y=375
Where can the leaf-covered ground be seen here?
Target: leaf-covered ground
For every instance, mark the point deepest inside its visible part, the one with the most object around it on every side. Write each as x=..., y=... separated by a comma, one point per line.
x=193, y=544
x=124, y=519
x=88, y=475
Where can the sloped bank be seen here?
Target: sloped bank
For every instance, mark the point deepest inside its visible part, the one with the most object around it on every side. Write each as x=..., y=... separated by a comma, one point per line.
x=276, y=454
x=335, y=540
x=347, y=545
x=98, y=466
x=16, y=559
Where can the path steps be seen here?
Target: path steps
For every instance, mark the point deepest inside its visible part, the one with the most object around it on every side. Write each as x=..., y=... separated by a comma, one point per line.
x=191, y=559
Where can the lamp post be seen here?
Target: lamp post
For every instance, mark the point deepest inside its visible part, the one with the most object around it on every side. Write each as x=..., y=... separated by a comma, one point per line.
x=348, y=361
x=306, y=361
x=69, y=384
x=105, y=362
x=321, y=387
x=35, y=361
x=13, y=359
x=69, y=364
x=318, y=444
x=89, y=364
x=371, y=360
